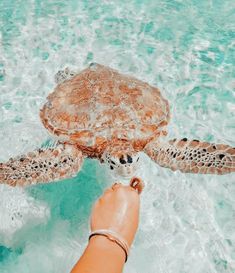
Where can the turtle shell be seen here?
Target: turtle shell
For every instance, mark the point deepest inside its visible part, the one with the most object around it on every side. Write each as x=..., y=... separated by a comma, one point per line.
x=99, y=104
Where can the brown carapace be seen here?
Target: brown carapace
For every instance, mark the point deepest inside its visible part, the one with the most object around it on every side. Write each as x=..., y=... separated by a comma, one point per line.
x=100, y=113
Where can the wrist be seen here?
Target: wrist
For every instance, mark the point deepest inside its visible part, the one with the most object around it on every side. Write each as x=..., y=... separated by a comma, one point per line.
x=112, y=249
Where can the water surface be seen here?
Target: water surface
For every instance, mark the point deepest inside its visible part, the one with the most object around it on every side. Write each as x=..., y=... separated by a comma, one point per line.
x=186, y=48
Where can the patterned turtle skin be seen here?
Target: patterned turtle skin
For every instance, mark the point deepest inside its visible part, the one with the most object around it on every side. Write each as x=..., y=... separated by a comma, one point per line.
x=101, y=113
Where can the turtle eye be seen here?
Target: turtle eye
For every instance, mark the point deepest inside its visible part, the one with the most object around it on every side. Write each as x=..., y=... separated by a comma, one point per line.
x=122, y=160
x=129, y=159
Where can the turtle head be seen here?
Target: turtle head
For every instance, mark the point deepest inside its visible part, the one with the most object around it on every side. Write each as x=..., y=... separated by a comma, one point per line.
x=121, y=158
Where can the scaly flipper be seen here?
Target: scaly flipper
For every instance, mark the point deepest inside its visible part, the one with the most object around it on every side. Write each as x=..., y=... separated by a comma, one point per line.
x=193, y=156
x=43, y=165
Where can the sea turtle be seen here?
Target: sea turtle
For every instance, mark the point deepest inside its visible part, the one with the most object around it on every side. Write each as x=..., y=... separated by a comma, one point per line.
x=100, y=113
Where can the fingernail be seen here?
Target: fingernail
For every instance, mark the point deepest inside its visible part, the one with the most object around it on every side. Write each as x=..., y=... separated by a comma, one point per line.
x=137, y=184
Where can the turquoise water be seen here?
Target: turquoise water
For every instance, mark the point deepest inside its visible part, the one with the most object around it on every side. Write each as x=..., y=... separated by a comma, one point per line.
x=186, y=48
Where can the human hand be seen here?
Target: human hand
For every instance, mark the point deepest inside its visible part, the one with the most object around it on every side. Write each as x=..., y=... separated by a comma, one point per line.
x=118, y=210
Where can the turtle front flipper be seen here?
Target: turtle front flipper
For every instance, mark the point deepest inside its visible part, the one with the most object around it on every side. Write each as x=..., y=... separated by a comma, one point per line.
x=41, y=166
x=193, y=156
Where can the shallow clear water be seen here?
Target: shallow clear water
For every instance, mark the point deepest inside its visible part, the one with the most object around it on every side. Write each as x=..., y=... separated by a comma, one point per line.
x=186, y=48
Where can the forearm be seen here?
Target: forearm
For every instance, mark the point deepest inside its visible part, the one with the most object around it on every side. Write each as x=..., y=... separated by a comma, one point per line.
x=101, y=256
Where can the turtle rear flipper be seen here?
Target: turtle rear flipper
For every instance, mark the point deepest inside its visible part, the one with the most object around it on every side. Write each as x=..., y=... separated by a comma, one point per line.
x=64, y=75
x=41, y=166
x=193, y=156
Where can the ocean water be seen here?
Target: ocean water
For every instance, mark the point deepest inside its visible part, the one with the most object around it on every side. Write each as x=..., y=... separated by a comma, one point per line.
x=187, y=49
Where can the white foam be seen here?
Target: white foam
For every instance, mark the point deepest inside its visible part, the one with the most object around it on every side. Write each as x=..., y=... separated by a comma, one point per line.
x=19, y=213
